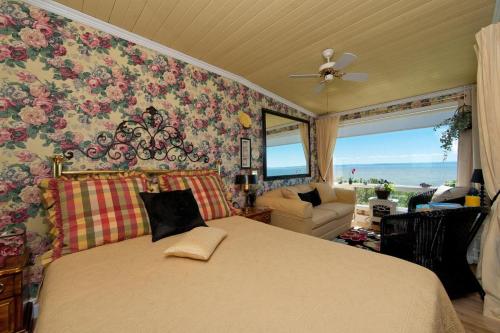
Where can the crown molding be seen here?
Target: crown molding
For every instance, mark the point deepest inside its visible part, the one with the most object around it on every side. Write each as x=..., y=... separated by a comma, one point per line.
x=93, y=22
x=402, y=101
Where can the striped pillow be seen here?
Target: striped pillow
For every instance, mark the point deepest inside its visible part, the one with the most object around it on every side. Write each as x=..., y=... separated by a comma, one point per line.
x=207, y=190
x=94, y=212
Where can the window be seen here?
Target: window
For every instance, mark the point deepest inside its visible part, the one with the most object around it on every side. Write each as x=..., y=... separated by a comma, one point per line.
x=409, y=157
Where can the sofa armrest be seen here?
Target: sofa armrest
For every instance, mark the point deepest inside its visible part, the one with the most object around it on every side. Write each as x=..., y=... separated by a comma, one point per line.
x=292, y=207
x=346, y=195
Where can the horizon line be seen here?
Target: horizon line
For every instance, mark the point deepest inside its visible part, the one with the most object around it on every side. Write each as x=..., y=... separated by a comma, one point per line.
x=379, y=163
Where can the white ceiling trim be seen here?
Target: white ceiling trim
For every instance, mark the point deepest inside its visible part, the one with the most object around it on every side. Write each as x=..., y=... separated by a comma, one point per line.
x=93, y=22
x=401, y=101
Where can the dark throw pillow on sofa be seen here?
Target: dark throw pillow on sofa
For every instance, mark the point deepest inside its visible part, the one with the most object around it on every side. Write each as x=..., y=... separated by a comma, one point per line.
x=172, y=212
x=312, y=197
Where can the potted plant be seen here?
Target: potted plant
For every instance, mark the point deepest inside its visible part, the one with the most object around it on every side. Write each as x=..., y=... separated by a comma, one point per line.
x=460, y=121
x=384, y=189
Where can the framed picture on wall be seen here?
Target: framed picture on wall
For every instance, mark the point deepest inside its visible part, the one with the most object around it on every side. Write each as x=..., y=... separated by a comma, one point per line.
x=245, y=153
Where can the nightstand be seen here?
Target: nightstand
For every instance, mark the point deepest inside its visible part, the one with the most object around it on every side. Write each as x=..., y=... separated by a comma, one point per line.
x=257, y=213
x=11, y=299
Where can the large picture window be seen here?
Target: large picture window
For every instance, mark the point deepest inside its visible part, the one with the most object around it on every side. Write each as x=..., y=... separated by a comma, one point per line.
x=409, y=158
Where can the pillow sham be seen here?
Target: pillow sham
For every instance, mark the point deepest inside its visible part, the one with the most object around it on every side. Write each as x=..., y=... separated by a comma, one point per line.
x=207, y=190
x=93, y=212
x=312, y=197
x=172, y=213
x=48, y=188
x=199, y=243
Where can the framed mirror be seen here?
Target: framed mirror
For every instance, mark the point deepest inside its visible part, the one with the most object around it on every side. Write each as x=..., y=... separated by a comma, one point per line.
x=286, y=146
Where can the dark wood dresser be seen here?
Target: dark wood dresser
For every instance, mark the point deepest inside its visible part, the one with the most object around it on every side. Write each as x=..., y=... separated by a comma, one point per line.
x=11, y=299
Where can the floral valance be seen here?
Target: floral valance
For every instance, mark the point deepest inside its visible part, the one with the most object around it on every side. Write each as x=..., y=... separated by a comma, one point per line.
x=418, y=103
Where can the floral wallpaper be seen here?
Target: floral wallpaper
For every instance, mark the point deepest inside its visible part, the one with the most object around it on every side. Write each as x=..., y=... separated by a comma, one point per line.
x=62, y=84
x=405, y=106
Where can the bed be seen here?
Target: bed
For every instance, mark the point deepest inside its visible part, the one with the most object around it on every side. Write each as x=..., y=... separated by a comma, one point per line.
x=260, y=279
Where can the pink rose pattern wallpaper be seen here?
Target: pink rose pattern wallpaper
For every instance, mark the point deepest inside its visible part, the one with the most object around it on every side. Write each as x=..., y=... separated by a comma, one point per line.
x=405, y=106
x=62, y=84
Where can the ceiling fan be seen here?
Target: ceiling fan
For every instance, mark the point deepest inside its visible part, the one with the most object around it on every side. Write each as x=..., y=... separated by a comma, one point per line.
x=332, y=69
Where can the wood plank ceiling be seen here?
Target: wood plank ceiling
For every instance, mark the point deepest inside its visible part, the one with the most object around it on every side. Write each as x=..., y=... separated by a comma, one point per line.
x=408, y=47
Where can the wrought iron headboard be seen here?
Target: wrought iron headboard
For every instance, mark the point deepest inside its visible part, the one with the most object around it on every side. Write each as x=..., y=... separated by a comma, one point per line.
x=145, y=137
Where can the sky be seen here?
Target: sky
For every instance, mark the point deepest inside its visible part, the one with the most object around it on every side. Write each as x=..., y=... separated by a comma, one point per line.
x=410, y=146
x=286, y=155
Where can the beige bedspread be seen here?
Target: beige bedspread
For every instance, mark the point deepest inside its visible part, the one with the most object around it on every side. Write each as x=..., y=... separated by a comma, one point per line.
x=260, y=279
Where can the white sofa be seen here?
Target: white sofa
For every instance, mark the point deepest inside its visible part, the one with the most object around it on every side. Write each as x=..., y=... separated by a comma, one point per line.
x=327, y=220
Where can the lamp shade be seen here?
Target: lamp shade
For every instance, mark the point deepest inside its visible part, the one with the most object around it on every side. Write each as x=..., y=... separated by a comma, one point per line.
x=241, y=179
x=252, y=179
x=477, y=177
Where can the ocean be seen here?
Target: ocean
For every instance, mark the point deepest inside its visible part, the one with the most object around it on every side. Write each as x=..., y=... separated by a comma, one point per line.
x=411, y=174
x=291, y=170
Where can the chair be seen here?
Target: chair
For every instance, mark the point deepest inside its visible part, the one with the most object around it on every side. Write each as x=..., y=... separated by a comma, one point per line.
x=437, y=240
x=426, y=197
x=419, y=199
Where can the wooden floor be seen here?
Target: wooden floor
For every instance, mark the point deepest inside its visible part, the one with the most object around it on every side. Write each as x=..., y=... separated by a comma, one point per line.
x=470, y=311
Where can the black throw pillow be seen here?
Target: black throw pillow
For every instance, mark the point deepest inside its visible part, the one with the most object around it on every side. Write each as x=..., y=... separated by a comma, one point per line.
x=172, y=213
x=312, y=197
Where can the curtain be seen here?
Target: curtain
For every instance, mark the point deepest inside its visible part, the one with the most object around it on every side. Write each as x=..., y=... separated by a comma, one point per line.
x=464, y=165
x=304, y=137
x=471, y=98
x=476, y=159
x=326, y=136
x=488, y=105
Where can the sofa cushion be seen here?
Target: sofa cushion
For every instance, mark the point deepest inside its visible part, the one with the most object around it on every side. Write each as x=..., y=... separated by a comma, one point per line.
x=340, y=209
x=292, y=192
x=326, y=192
x=322, y=216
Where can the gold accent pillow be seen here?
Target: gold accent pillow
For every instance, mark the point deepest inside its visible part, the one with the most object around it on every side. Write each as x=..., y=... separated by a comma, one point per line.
x=198, y=243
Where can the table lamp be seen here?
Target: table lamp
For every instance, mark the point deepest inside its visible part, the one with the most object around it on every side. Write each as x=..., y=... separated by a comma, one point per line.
x=245, y=181
x=477, y=178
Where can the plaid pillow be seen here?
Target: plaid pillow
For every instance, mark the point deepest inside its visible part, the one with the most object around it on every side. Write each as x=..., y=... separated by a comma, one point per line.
x=93, y=212
x=207, y=190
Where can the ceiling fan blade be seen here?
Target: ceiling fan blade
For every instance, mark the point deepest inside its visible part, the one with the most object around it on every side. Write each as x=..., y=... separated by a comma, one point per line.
x=319, y=88
x=344, y=61
x=299, y=76
x=355, y=77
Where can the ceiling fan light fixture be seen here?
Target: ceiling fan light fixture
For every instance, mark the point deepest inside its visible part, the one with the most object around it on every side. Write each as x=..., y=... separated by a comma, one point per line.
x=326, y=66
x=329, y=77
